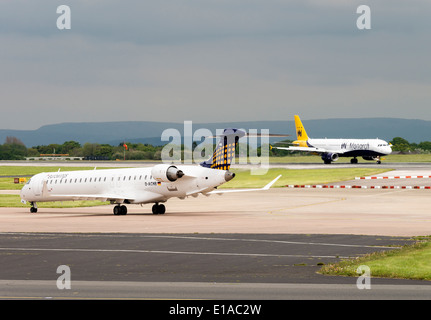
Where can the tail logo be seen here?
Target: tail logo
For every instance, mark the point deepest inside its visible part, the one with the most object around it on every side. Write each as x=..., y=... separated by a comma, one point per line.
x=225, y=151
x=299, y=133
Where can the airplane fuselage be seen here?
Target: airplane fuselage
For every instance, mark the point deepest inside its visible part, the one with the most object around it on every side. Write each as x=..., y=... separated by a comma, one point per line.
x=352, y=147
x=132, y=185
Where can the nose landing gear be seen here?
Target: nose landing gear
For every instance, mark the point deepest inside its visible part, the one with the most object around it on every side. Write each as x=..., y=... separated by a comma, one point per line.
x=33, y=208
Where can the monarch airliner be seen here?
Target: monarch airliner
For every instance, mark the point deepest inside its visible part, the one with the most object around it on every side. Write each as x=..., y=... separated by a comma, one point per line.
x=331, y=149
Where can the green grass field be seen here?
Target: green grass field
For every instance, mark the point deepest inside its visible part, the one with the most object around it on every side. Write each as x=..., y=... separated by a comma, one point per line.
x=7, y=183
x=32, y=170
x=12, y=201
x=246, y=178
x=243, y=179
x=410, y=262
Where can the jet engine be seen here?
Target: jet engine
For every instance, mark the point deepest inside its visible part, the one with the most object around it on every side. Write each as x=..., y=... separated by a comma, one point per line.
x=166, y=173
x=329, y=157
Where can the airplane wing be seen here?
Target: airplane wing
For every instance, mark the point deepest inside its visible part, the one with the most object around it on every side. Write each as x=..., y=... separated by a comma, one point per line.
x=306, y=149
x=147, y=197
x=99, y=197
x=269, y=185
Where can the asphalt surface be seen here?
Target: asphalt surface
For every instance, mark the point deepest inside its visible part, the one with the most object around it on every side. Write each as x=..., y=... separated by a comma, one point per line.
x=192, y=266
x=256, y=246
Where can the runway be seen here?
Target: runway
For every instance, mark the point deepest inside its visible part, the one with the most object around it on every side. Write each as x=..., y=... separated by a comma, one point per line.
x=261, y=245
x=191, y=266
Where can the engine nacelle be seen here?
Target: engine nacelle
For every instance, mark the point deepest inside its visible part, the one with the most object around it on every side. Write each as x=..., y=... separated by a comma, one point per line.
x=370, y=158
x=166, y=173
x=328, y=157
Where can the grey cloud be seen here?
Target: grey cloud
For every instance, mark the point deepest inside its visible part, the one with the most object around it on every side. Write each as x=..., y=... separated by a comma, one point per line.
x=249, y=59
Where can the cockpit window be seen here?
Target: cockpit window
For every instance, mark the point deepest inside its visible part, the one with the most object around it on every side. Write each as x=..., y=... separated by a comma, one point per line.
x=28, y=182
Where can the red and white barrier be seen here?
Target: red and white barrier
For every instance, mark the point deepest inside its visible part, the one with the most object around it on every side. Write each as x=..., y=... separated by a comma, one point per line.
x=324, y=186
x=392, y=177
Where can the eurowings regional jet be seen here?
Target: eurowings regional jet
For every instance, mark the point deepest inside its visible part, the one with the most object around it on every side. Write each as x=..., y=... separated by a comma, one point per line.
x=331, y=149
x=139, y=185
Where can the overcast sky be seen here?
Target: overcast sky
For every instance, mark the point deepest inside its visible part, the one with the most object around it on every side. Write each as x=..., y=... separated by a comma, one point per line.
x=212, y=61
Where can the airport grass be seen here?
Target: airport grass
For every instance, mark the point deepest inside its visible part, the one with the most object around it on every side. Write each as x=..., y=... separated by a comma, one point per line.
x=14, y=201
x=409, y=262
x=260, y=177
x=8, y=173
x=32, y=170
x=254, y=178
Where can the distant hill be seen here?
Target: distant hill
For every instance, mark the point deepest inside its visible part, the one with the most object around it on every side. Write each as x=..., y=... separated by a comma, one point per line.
x=150, y=132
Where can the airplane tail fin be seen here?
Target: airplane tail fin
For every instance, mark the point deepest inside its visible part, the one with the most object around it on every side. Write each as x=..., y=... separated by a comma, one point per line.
x=225, y=150
x=301, y=134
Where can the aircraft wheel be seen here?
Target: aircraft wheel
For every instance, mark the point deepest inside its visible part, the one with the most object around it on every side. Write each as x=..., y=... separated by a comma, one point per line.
x=155, y=209
x=123, y=210
x=33, y=210
x=120, y=210
x=379, y=162
x=158, y=209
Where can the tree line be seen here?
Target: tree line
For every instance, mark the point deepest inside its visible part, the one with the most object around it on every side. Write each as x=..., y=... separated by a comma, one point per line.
x=14, y=149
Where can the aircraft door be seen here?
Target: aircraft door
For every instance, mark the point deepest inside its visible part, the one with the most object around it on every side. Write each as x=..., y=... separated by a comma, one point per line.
x=36, y=185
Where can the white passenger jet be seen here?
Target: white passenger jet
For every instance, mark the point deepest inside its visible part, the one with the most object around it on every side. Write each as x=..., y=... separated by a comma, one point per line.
x=331, y=149
x=139, y=185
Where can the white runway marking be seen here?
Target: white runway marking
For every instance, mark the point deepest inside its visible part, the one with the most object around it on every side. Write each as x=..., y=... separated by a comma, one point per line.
x=211, y=239
x=170, y=252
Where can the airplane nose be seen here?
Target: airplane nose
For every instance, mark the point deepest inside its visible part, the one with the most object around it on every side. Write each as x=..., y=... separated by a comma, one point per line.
x=24, y=191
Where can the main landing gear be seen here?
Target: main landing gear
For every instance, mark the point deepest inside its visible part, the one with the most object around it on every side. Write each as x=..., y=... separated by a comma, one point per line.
x=120, y=210
x=159, y=208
